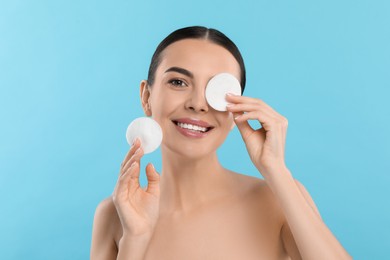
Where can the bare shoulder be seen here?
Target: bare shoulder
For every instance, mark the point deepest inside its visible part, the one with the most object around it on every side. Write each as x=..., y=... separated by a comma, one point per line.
x=250, y=186
x=106, y=212
x=105, y=230
x=260, y=196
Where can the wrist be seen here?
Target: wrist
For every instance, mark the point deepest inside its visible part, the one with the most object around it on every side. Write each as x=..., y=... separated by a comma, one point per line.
x=276, y=174
x=133, y=246
x=136, y=237
x=276, y=169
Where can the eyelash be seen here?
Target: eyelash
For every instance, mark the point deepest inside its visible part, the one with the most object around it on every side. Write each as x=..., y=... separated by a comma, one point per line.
x=177, y=85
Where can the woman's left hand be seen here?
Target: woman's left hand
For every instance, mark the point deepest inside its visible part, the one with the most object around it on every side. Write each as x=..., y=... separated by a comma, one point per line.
x=265, y=145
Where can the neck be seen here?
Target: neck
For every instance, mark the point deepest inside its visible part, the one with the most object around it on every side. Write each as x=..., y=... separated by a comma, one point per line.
x=189, y=183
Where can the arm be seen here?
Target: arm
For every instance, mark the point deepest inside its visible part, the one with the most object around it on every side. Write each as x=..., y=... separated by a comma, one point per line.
x=133, y=248
x=103, y=245
x=288, y=240
x=304, y=234
x=106, y=223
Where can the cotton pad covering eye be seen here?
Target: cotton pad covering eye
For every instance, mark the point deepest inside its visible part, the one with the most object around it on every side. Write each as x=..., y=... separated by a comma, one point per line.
x=147, y=130
x=217, y=88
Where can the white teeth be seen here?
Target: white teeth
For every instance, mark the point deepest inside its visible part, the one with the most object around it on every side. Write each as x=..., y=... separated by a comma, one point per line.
x=192, y=127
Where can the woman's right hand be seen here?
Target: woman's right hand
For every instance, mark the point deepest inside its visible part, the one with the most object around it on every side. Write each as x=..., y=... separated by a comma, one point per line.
x=137, y=208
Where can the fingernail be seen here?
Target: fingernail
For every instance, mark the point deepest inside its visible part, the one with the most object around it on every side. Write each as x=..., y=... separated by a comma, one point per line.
x=237, y=117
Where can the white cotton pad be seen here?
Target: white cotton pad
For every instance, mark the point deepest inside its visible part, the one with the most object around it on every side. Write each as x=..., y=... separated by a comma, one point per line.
x=147, y=130
x=218, y=87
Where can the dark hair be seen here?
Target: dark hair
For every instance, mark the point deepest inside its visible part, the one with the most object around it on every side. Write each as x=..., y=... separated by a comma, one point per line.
x=196, y=32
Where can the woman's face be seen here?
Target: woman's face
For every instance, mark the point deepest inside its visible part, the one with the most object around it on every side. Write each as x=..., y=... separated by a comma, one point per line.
x=178, y=96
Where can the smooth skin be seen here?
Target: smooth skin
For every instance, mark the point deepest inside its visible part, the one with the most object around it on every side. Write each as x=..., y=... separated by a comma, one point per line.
x=197, y=209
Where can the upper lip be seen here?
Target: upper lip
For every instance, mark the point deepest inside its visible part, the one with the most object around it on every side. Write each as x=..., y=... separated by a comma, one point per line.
x=193, y=121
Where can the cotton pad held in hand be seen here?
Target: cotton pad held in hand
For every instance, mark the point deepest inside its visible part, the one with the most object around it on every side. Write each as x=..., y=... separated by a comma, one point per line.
x=147, y=130
x=218, y=87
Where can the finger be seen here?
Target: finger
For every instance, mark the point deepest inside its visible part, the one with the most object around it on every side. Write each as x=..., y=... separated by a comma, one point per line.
x=243, y=126
x=135, y=158
x=267, y=122
x=133, y=148
x=251, y=115
x=249, y=100
x=136, y=144
x=153, y=180
x=240, y=99
x=126, y=182
x=249, y=107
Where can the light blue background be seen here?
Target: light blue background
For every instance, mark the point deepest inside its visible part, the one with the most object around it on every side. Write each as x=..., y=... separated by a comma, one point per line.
x=69, y=80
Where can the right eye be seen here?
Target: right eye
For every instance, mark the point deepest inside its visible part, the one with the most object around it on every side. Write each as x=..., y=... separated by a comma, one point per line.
x=177, y=83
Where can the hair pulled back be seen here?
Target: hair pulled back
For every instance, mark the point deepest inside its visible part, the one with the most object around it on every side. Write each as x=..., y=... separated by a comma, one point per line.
x=196, y=32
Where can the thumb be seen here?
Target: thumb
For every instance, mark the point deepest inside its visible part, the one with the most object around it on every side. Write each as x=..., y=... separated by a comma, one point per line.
x=153, y=180
x=242, y=125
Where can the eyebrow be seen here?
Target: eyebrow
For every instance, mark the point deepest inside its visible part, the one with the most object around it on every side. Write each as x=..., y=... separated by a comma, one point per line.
x=181, y=71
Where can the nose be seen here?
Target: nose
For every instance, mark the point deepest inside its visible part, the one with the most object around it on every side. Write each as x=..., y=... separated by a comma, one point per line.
x=197, y=101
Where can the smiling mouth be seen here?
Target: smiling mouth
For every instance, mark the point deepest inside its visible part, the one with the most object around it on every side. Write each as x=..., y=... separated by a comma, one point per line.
x=192, y=127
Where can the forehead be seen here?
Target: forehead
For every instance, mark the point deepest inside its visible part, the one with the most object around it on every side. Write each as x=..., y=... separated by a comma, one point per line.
x=200, y=56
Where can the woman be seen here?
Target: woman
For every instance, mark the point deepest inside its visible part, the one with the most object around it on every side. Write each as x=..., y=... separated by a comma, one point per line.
x=197, y=209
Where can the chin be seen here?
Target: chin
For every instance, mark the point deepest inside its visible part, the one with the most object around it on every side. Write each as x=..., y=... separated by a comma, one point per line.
x=190, y=152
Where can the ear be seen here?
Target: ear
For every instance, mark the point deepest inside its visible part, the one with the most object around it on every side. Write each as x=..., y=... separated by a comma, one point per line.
x=145, y=97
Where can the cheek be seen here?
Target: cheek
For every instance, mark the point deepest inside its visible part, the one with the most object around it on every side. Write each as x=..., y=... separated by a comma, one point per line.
x=163, y=105
x=226, y=120
x=168, y=99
